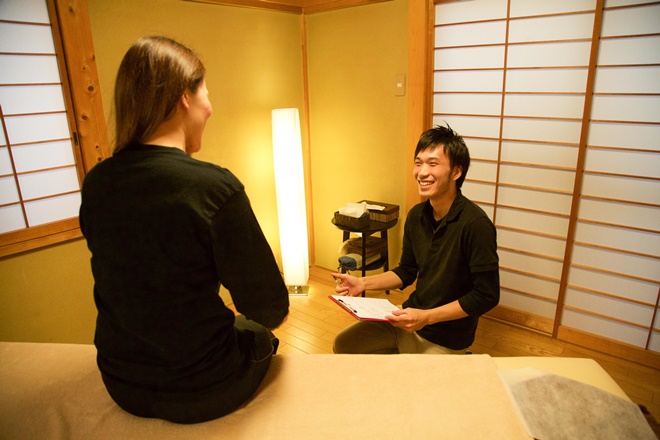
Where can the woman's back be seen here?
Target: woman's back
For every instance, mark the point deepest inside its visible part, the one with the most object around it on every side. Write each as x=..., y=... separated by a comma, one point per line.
x=147, y=214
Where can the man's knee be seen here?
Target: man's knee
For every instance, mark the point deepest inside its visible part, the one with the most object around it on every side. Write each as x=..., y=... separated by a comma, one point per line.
x=342, y=344
x=366, y=337
x=352, y=339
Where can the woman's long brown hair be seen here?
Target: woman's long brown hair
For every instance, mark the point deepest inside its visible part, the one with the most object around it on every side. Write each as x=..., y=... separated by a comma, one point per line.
x=152, y=77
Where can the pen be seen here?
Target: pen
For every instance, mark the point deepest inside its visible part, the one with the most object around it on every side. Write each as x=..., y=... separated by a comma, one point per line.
x=346, y=305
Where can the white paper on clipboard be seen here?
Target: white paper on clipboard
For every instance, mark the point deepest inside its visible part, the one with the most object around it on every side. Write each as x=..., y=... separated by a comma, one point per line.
x=368, y=309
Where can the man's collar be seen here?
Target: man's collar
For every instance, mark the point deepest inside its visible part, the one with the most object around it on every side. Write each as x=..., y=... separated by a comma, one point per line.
x=456, y=207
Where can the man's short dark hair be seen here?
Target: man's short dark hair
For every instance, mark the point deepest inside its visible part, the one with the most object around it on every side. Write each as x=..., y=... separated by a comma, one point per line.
x=453, y=145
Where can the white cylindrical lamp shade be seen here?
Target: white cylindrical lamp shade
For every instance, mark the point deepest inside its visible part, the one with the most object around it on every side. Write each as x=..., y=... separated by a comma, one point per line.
x=290, y=191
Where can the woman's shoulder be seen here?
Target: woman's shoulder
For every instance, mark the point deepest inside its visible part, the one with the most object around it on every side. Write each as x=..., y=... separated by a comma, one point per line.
x=213, y=173
x=176, y=164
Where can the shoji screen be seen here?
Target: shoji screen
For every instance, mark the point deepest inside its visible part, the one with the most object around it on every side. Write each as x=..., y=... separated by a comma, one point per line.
x=614, y=275
x=519, y=79
x=39, y=181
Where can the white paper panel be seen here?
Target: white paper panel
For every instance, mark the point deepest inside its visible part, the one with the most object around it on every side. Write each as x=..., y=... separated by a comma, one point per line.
x=25, y=38
x=468, y=103
x=542, y=130
x=526, y=7
x=538, y=244
x=541, y=154
x=549, y=106
x=622, y=188
x=468, y=58
x=558, y=180
x=47, y=183
x=531, y=221
x=11, y=218
x=469, y=81
x=470, y=11
x=31, y=99
x=53, y=209
x=527, y=263
x=5, y=162
x=626, y=108
x=468, y=126
x=28, y=69
x=478, y=192
x=617, y=262
x=482, y=148
x=639, y=216
x=616, y=308
x=567, y=27
x=528, y=284
x=635, y=50
x=613, y=284
x=550, y=78
x=566, y=80
x=535, y=200
x=619, y=238
x=532, y=305
x=571, y=54
x=631, y=21
x=34, y=128
x=34, y=11
x=471, y=34
x=8, y=192
x=642, y=79
x=3, y=141
x=633, y=163
x=624, y=135
x=40, y=156
x=485, y=171
x=605, y=327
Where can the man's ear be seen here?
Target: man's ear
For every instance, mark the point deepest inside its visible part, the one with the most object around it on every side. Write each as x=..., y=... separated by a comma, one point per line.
x=457, y=172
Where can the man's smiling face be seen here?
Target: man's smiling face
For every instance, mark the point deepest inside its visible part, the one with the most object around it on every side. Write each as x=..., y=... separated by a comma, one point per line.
x=434, y=175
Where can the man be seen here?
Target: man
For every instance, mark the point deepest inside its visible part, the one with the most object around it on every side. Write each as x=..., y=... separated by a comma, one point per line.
x=449, y=247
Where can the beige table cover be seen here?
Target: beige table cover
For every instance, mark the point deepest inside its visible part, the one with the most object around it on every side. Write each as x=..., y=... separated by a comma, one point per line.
x=54, y=391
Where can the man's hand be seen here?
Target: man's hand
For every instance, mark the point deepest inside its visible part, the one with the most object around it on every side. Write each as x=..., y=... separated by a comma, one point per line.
x=348, y=285
x=409, y=319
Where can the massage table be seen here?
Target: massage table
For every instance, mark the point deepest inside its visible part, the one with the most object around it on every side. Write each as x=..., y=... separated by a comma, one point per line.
x=55, y=391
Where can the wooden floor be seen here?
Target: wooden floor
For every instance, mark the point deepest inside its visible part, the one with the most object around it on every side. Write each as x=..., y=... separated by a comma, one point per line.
x=314, y=321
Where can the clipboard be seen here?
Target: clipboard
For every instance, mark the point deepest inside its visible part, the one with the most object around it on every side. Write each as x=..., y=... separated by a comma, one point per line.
x=365, y=309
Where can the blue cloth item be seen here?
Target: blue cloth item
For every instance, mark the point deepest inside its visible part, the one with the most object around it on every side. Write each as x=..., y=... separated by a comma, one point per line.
x=348, y=263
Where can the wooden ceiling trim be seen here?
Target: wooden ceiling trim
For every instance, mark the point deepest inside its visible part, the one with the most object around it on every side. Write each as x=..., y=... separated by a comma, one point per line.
x=293, y=6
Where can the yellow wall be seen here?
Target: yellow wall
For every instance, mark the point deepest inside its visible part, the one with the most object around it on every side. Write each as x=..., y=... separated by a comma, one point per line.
x=254, y=63
x=46, y=295
x=357, y=124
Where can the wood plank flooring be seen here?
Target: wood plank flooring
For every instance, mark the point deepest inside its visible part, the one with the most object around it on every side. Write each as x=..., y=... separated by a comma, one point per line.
x=314, y=321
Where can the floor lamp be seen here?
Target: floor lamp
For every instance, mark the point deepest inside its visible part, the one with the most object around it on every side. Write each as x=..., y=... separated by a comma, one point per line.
x=290, y=191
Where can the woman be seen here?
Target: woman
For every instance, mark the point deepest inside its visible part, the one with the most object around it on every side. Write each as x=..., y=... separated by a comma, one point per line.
x=165, y=231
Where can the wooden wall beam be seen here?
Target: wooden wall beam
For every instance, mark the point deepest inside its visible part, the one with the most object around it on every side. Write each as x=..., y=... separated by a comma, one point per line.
x=420, y=85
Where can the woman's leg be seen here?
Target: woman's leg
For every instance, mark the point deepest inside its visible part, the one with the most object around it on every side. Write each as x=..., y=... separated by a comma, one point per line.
x=264, y=346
